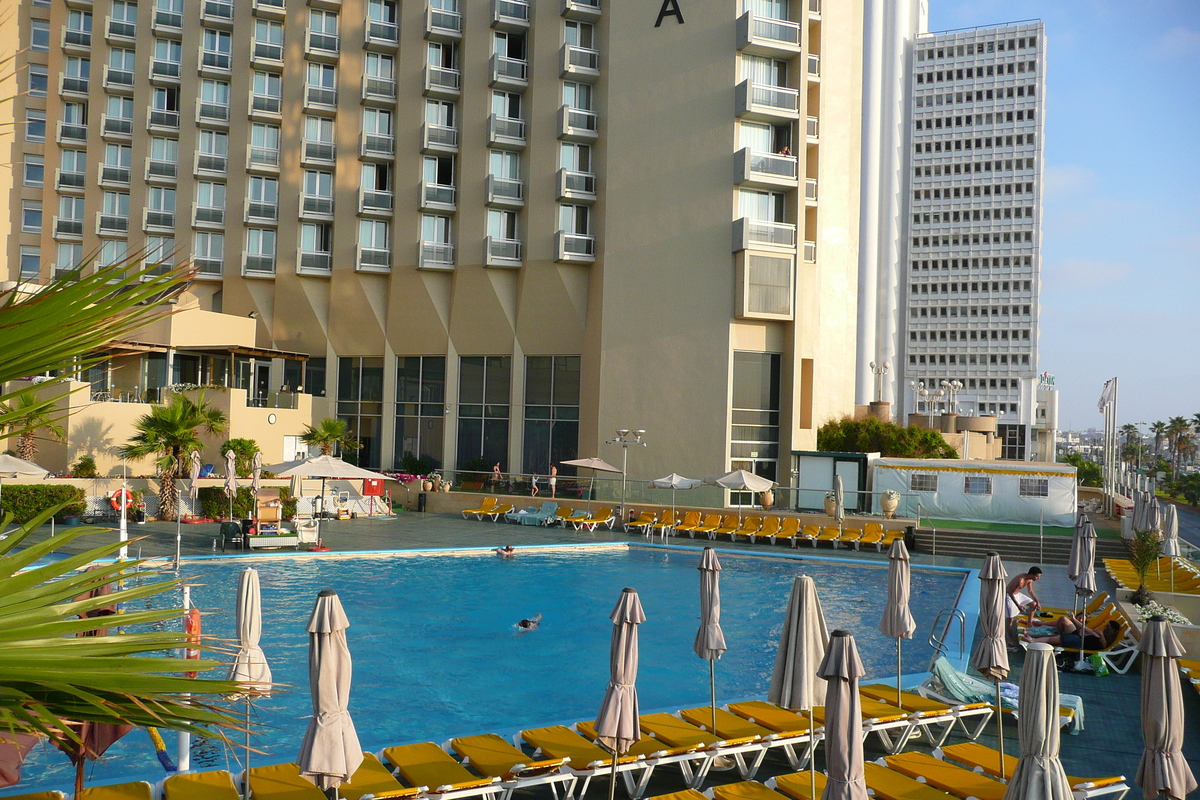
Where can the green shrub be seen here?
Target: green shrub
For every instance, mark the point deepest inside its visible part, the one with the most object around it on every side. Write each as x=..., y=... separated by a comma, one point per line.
x=214, y=503
x=85, y=467
x=416, y=466
x=289, y=503
x=26, y=501
x=1088, y=473
x=243, y=455
x=470, y=465
x=874, y=436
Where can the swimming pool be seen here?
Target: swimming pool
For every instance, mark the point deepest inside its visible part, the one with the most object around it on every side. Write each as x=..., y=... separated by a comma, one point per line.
x=436, y=652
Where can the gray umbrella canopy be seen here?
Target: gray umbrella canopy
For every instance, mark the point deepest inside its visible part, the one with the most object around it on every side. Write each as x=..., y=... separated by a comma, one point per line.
x=710, y=639
x=617, y=724
x=1153, y=515
x=897, y=621
x=991, y=654
x=1163, y=768
x=1039, y=773
x=593, y=463
x=1170, y=531
x=330, y=752
x=841, y=668
x=250, y=664
x=802, y=642
x=256, y=475
x=1074, y=564
x=839, y=499
x=322, y=467
x=1082, y=569
x=231, y=484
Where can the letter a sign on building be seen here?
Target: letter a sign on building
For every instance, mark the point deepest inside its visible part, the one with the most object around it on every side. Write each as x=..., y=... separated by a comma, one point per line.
x=670, y=8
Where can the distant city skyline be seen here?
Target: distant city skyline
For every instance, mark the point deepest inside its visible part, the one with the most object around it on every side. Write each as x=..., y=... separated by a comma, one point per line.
x=1121, y=247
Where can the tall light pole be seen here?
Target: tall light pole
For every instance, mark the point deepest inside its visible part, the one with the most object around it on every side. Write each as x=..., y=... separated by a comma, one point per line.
x=879, y=370
x=918, y=390
x=952, y=388
x=1138, y=446
x=626, y=438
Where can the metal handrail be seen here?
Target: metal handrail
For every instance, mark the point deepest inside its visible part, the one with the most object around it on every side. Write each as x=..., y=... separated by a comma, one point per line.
x=938, y=643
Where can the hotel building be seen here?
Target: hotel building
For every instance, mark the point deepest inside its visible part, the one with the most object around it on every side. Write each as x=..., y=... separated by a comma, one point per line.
x=480, y=230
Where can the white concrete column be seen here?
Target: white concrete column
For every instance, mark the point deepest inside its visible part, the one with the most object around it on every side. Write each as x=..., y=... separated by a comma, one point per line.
x=874, y=12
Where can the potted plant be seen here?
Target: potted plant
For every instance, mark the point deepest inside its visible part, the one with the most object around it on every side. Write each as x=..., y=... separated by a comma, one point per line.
x=889, y=502
x=766, y=499
x=1144, y=550
x=830, y=502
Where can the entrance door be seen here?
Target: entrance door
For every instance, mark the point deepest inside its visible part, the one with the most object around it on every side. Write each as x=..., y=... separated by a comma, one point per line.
x=262, y=384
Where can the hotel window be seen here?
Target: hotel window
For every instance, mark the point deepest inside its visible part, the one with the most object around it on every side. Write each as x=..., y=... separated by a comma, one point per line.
x=316, y=238
x=323, y=29
x=551, y=412
x=443, y=56
x=35, y=125
x=435, y=229
x=575, y=219
x=119, y=108
x=79, y=22
x=575, y=157
x=314, y=377
x=318, y=191
x=762, y=206
x=209, y=252
x=384, y=12
x=160, y=251
x=509, y=45
x=360, y=405
x=506, y=105
x=441, y=112
x=772, y=9
x=39, y=35
x=322, y=84
x=577, y=95
x=35, y=170
x=260, y=250
x=267, y=89
x=579, y=34
x=263, y=196
x=169, y=51
x=161, y=199
x=217, y=47
x=70, y=256
x=377, y=125
x=214, y=150
x=214, y=93
x=764, y=71
x=115, y=204
x=420, y=413
x=169, y=12
x=923, y=483
x=76, y=72
x=39, y=79
x=113, y=251
x=70, y=209
x=210, y=195
x=381, y=67
x=373, y=234
x=268, y=39
x=31, y=261
x=124, y=18
x=483, y=412
x=264, y=144
x=503, y=225
x=318, y=138
x=754, y=429
x=977, y=484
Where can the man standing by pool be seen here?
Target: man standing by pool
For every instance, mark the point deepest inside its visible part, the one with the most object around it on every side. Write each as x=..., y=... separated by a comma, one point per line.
x=1021, y=599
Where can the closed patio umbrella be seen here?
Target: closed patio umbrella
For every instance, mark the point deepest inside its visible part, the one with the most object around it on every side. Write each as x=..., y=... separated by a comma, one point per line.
x=1085, y=577
x=674, y=482
x=897, y=622
x=795, y=683
x=839, y=501
x=741, y=481
x=194, y=474
x=617, y=724
x=1039, y=773
x=841, y=668
x=710, y=639
x=991, y=654
x=1163, y=768
x=231, y=484
x=1170, y=537
x=250, y=664
x=330, y=752
x=256, y=474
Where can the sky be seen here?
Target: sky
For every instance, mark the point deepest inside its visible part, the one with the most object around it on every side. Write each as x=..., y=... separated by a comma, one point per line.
x=1121, y=235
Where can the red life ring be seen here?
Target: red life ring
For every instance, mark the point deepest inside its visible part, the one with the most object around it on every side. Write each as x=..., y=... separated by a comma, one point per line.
x=115, y=499
x=191, y=626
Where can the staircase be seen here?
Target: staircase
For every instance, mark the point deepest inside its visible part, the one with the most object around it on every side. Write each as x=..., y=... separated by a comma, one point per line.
x=1010, y=546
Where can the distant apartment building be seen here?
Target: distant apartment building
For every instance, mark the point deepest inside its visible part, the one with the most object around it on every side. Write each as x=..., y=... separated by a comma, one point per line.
x=481, y=232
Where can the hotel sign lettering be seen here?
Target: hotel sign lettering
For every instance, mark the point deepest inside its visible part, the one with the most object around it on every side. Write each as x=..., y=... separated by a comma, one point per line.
x=670, y=8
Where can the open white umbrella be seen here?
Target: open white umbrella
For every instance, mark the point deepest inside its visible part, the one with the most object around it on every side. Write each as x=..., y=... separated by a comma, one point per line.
x=595, y=465
x=741, y=481
x=991, y=654
x=795, y=683
x=674, y=482
x=13, y=467
x=330, y=752
x=250, y=664
x=231, y=484
x=710, y=639
x=323, y=467
x=1163, y=768
x=1039, y=773
x=841, y=668
x=617, y=724
x=897, y=622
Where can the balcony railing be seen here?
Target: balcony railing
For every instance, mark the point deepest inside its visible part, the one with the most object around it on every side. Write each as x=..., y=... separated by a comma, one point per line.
x=118, y=79
x=578, y=62
x=575, y=185
x=153, y=218
x=208, y=215
x=70, y=84
x=510, y=15
x=263, y=157
x=110, y=173
x=374, y=259
x=766, y=35
x=574, y=246
x=503, y=252
x=766, y=168
x=168, y=19
x=114, y=126
x=260, y=211
x=266, y=51
x=442, y=25
x=751, y=233
x=213, y=112
x=208, y=267
x=436, y=255
x=812, y=127
x=437, y=196
x=814, y=65
x=160, y=118
x=112, y=223
x=577, y=124
x=270, y=8
x=378, y=88
x=587, y=10
x=319, y=151
x=265, y=104
x=507, y=192
x=441, y=81
x=509, y=73
x=314, y=263
x=211, y=59
x=384, y=33
x=76, y=38
x=70, y=180
x=165, y=69
x=375, y=201
x=323, y=43
x=316, y=204
x=810, y=189
x=504, y=131
x=121, y=29
x=211, y=162
x=166, y=169
x=217, y=11
x=68, y=227
x=258, y=266
x=757, y=100
x=78, y=133
x=810, y=252
x=439, y=138
x=320, y=96
x=380, y=145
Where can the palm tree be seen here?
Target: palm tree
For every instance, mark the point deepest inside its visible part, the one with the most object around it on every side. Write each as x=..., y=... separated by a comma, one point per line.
x=1131, y=434
x=1159, y=429
x=1176, y=427
x=329, y=433
x=33, y=419
x=170, y=433
x=1185, y=449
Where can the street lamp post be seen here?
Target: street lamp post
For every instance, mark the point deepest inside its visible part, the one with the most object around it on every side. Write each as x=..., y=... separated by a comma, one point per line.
x=918, y=390
x=626, y=438
x=879, y=370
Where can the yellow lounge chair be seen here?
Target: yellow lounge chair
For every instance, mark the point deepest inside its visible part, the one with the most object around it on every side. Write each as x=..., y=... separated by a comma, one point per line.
x=773, y=717
x=1098, y=601
x=798, y=785
x=666, y=524
x=139, y=790
x=38, y=796
x=830, y=533
x=281, y=782
x=945, y=776
x=484, y=508
x=932, y=707
x=878, y=718
x=691, y=520
x=728, y=526
x=602, y=517
x=749, y=528
x=789, y=528
x=561, y=515
x=426, y=764
x=889, y=537
x=984, y=759
x=372, y=779
x=734, y=727
x=587, y=759
x=686, y=794
x=809, y=533
x=709, y=526
x=872, y=534
x=850, y=536
x=498, y=511
x=217, y=785
x=769, y=530
x=888, y=784
x=496, y=757
x=678, y=732
x=577, y=519
x=641, y=524
x=655, y=752
x=745, y=790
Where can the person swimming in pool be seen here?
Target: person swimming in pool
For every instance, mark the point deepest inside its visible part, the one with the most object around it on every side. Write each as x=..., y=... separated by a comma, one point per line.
x=527, y=625
x=506, y=552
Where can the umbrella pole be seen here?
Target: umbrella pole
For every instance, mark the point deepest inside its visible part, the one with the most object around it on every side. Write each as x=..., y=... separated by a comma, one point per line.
x=812, y=755
x=612, y=784
x=79, y=767
x=712, y=688
x=1000, y=729
x=246, y=782
x=178, y=539
x=899, y=671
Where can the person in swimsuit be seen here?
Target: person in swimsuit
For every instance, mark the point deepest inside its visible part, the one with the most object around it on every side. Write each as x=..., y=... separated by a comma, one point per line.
x=527, y=625
x=1020, y=599
x=534, y=491
x=553, y=479
x=1073, y=631
x=506, y=552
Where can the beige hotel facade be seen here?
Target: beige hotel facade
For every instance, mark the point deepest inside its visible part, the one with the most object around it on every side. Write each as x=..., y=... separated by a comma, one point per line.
x=498, y=230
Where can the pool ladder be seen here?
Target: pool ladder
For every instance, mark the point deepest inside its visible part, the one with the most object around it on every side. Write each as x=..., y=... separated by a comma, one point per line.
x=938, y=642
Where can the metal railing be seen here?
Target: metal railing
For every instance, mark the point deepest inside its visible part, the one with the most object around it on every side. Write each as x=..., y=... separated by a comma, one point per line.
x=776, y=30
x=771, y=165
x=765, y=232
x=777, y=97
x=437, y=255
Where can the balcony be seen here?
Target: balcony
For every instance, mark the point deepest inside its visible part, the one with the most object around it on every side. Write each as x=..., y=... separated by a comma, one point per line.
x=586, y=10
x=322, y=45
x=258, y=266
x=578, y=63
x=274, y=9
x=577, y=125
x=69, y=181
x=114, y=175
x=574, y=247
x=112, y=225
x=217, y=13
x=437, y=197
x=212, y=163
x=316, y=205
x=436, y=255
x=165, y=71
x=442, y=26
x=438, y=138
x=441, y=82
x=372, y=259
x=814, y=8
x=314, y=263
x=810, y=252
x=120, y=29
x=259, y=211
x=73, y=39
x=70, y=132
x=270, y=52
x=378, y=88
x=203, y=216
x=814, y=65
x=157, y=170
x=71, y=84
x=324, y=152
x=508, y=73
x=110, y=126
x=167, y=19
x=812, y=129
x=212, y=112
x=506, y=132
x=767, y=36
x=766, y=170
x=160, y=118
x=118, y=80
x=576, y=186
x=377, y=145
x=810, y=190
x=768, y=103
x=753, y=234
x=504, y=192
x=215, y=61
x=208, y=267
x=320, y=96
x=502, y=252
x=265, y=104
x=510, y=15
x=381, y=35
x=263, y=158
x=157, y=218
x=68, y=227
x=375, y=201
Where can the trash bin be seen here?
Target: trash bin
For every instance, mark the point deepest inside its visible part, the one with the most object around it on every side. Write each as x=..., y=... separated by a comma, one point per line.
x=231, y=534
x=421, y=498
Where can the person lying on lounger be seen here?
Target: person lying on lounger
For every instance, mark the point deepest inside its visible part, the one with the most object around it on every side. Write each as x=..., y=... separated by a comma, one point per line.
x=506, y=552
x=527, y=625
x=1070, y=630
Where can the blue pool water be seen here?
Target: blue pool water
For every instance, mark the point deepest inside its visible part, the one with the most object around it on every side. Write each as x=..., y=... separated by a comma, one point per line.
x=436, y=653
